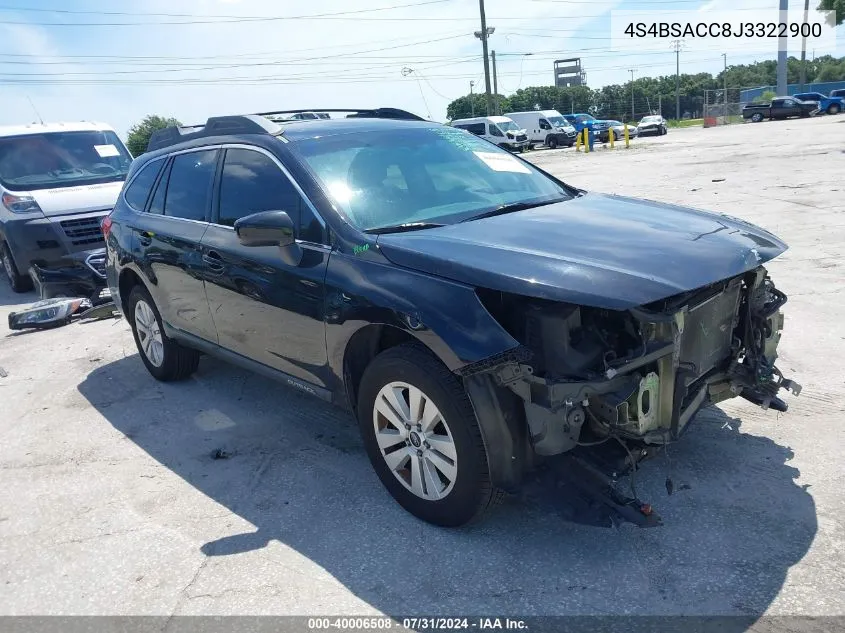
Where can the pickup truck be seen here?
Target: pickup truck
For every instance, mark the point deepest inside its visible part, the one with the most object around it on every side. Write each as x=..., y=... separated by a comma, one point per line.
x=780, y=108
x=831, y=104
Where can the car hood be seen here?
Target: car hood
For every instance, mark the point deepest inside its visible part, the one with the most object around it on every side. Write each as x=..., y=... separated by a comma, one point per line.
x=78, y=199
x=596, y=250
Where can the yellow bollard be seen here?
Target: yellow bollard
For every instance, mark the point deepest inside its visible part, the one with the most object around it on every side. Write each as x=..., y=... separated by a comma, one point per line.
x=586, y=141
x=610, y=136
x=627, y=137
x=577, y=142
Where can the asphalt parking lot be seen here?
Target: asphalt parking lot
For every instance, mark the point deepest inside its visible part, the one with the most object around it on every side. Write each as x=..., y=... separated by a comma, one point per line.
x=111, y=502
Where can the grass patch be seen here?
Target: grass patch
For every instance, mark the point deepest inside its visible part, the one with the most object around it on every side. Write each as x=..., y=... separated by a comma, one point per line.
x=686, y=123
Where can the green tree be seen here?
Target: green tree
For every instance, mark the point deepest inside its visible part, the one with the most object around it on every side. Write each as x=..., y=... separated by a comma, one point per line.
x=834, y=5
x=766, y=97
x=140, y=133
x=466, y=106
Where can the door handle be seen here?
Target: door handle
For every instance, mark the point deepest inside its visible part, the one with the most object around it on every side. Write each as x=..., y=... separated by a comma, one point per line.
x=144, y=237
x=214, y=261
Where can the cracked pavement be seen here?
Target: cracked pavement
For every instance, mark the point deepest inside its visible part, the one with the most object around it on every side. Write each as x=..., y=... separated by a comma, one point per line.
x=112, y=504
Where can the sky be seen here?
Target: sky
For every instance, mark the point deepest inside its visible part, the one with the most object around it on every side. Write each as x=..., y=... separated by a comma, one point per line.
x=117, y=62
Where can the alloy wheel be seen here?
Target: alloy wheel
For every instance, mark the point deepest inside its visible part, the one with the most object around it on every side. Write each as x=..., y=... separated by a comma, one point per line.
x=149, y=333
x=415, y=440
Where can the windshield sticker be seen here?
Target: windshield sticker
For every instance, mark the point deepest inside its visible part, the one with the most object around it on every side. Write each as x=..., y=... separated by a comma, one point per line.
x=502, y=162
x=105, y=151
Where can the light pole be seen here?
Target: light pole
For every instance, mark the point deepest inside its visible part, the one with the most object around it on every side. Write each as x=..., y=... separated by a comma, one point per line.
x=804, y=48
x=631, y=70
x=725, y=57
x=495, y=85
x=677, y=45
x=471, y=100
x=483, y=34
x=782, y=46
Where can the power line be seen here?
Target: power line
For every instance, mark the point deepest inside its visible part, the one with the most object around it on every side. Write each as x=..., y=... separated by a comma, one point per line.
x=227, y=66
x=226, y=20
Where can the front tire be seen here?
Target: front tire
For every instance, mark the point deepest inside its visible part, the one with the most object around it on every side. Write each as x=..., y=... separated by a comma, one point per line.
x=551, y=142
x=163, y=357
x=19, y=283
x=422, y=437
x=833, y=108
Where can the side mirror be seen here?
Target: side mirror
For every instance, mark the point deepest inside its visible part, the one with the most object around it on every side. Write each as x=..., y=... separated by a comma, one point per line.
x=270, y=228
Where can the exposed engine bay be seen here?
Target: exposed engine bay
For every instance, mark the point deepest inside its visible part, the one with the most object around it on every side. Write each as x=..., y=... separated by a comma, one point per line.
x=640, y=374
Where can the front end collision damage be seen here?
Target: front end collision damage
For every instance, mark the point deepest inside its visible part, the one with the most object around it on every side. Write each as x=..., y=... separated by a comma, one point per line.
x=584, y=375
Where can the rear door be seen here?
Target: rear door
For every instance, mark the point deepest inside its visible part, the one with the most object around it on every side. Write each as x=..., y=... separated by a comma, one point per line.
x=263, y=308
x=167, y=240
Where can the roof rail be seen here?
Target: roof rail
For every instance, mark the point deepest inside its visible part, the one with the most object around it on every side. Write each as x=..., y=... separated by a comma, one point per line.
x=215, y=126
x=363, y=113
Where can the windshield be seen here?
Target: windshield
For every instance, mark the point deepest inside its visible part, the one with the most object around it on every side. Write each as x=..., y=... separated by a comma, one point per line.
x=558, y=121
x=508, y=126
x=614, y=123
x=582, y=118
x=439, y=175
x=651, y=119
x=62, y=159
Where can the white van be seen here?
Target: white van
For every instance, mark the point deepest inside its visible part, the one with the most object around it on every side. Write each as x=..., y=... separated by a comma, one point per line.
x=545, y=127
x=57, y=182
x=497, y=129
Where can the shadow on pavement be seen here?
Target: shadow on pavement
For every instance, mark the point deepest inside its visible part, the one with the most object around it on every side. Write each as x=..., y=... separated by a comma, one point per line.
x=296, y=470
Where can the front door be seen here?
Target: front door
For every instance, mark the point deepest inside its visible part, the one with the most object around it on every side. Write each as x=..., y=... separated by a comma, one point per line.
x=168, y=236
x=263, y=308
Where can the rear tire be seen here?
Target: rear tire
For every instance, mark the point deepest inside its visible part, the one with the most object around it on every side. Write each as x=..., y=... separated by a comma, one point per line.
x=19, y=283
x=422, y=437
x=756, y=117
x=163, y=357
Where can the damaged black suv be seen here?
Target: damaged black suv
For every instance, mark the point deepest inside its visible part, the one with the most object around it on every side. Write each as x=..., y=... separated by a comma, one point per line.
x=474, y=312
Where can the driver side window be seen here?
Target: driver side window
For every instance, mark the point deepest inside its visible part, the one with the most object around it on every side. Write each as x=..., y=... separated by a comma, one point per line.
x=494, y=130
x=544, y=125
x=252, y=182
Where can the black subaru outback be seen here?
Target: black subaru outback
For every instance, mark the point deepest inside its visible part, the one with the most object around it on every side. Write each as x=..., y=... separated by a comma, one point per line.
x=474, y=312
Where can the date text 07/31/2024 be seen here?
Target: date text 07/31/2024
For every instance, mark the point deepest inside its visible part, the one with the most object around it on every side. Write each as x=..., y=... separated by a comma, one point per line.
x=416, y=624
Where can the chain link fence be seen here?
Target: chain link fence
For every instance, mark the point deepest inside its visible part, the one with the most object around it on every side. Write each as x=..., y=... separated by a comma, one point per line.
x=722, y=107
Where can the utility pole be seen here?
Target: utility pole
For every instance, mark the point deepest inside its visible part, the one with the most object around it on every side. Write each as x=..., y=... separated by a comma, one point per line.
x=677, y=44
x=482, y=35
x=725, y=57
x=631, y=70
x=782, y=46
x=471, y=100
x=495, y=85
x=804, y=47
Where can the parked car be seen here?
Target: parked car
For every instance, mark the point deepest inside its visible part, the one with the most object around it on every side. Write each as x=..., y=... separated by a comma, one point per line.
x=429, y=281
x=57, y=182
x=831, y=105
x=780, y=108
x=838, y=93
x=497, y=129
x=618, y=131
x=653, y=124
x=545, y=127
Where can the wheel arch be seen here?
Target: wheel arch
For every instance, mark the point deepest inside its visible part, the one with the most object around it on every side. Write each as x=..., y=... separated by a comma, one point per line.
x=127, y=279
x=363, y=346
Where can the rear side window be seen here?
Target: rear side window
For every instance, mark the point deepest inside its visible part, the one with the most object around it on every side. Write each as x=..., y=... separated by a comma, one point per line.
x=189, y=186
x=138, y=192
x=252, y=182
x=157, y=203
